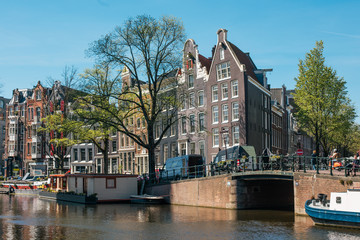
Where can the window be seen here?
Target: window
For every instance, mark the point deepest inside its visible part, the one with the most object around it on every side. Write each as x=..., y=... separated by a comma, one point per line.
x=221, y=54
x=234, y=89
x=191, y=81
x=114, y=146
x=157, y=130
x=28, y=149
x=183, y=149
x=192, y=123
x=183, y=102
x=202, y=148
x=82, y=154
x=38, y=95
x=214, y=91
x=166, y=152
x=192, y=100
x=215, y=114
x=223, y=71
x=224, y=91
x=201, y=122
x=183, y=125
x=90, y=154
x=173, y=150
x=215, y=133
x=192, y=148
x=225, y=113
x=201, y=98
x=138, y=123
x=173, y=129
x=38, y=112
x=235, y=111
x=75, y=154
x=110, y=182
x=23, y=111
x=235, y=135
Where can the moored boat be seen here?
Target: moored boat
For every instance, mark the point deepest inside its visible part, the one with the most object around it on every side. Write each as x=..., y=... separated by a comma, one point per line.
x=145, y=198
x=342, y=210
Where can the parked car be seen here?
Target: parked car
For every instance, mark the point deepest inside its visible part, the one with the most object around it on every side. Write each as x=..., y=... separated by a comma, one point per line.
x=183, y=167
x=235, y=159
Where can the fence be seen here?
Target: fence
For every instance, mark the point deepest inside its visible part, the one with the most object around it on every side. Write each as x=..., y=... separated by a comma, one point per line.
x=320, y=165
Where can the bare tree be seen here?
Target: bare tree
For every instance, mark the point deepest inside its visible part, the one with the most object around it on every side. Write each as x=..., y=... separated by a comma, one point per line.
x=150, y=49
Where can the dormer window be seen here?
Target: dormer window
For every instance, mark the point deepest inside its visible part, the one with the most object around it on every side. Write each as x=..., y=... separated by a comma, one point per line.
x=221, y=54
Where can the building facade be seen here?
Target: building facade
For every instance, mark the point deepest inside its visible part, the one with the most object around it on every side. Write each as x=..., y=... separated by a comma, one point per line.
x=238, y=100
x=3, y=103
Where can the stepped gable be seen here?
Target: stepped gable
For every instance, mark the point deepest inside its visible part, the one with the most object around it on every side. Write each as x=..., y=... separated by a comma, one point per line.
x=245, y=59
x=205, y=62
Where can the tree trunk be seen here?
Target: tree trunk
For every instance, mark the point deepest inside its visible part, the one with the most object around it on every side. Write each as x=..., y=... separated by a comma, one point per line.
x=106, y=155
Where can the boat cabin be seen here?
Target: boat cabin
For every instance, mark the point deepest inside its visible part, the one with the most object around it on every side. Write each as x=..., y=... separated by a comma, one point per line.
x=345, y=201
x=107, y=187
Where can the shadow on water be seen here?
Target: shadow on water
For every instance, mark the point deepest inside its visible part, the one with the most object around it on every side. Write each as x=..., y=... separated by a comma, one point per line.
x=25, y=217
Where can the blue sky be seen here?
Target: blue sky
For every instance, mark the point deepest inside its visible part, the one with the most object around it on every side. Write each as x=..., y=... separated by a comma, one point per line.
x=39, y=37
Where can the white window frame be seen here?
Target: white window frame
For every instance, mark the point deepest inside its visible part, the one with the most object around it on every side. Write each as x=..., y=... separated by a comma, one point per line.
x=215, y=114
x=234, y=134
x=225, y=113
x=201, y=120
x=233, y=85
x=192, y=123
x=192, y=81
x=222, y=53
x=215, y=93
x=216, y=137
x=233, y=113
x=224, y=91
x=201, y=95
x=223, y=71
x=191, y=100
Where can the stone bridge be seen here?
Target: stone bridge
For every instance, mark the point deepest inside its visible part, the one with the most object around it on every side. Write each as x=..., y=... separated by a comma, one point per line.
x=254, y=190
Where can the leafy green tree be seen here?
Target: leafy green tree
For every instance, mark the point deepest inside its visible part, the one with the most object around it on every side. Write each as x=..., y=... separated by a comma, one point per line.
x=150, y=49
x=96, y=108
x=61, y=139
x=323, y=108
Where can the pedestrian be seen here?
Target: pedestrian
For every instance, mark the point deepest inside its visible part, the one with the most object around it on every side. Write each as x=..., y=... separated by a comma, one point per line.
x=314, y=160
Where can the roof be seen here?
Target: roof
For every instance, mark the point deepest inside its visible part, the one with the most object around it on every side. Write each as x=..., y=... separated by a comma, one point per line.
x=245, y=59
x=249, y=151
x=205, y=62
x=276, y=94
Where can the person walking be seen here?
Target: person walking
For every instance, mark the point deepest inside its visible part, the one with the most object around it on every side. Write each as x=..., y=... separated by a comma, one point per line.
x=314, y=160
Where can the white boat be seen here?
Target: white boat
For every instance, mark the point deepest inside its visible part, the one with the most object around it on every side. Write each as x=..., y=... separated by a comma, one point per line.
x=145, y=198
x=342, y=210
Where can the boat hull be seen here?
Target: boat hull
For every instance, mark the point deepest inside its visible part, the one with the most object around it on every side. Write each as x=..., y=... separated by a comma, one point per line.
x=326, y=217
x=146, y=199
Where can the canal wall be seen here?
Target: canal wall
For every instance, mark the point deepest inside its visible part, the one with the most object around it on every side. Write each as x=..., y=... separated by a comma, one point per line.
x=309, y=185
x=225, y=191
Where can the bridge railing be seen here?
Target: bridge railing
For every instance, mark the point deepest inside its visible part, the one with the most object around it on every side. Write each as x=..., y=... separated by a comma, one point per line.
x=319, y=165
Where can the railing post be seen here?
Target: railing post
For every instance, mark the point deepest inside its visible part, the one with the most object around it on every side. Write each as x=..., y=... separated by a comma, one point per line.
x=317, y=165
x=293, y=164
x=304, y=164
x=331, y=167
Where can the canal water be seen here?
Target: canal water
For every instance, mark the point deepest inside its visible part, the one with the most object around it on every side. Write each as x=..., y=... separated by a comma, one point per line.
x=27, y=217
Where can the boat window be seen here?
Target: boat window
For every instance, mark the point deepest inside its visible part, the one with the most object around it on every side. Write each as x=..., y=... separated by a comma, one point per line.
x=338, y=199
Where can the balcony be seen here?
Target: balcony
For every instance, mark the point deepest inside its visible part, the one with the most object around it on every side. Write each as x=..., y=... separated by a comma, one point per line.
x=12, y=153
x=35, y=155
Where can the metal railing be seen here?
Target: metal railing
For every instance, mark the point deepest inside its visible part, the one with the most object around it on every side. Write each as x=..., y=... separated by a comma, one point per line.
x=319, y=165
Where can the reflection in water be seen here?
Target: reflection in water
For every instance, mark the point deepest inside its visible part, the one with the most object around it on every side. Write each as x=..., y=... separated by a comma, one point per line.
x=24, y=217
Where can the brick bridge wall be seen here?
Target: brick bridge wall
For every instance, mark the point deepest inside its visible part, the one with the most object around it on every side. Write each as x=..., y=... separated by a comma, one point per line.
x=307, y=185
x=225, y=192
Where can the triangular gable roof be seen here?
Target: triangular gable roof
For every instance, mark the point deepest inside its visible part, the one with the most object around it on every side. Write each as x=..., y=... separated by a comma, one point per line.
x=244, y=59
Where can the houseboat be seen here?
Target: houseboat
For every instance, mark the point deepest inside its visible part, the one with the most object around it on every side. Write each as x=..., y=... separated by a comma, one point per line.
x=342, y=210
x=102, y=187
